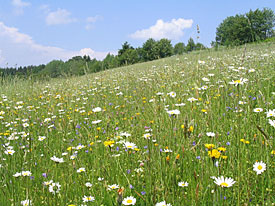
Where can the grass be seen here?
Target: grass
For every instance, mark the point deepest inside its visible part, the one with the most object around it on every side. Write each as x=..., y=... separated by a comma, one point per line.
x=134, y=101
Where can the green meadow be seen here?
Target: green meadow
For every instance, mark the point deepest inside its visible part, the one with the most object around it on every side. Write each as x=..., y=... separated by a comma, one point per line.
x=194, y=129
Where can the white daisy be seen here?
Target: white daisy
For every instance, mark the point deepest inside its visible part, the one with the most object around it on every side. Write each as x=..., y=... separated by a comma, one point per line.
x=129, y=201
x=257, y=110
x=82, y=169
x=224, y=182
x=259, y=167
x=88, y=198
x=163, y=203
x=113, y=187
x=183, y=184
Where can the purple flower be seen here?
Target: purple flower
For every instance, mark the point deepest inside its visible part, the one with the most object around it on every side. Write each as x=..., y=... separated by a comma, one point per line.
x=198, y=157
x=131, y=187
x=78, y=126
x=143, y=193
x=44, y=175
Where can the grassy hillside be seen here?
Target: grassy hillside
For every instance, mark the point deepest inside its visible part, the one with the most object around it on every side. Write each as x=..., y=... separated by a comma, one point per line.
x=166, y=130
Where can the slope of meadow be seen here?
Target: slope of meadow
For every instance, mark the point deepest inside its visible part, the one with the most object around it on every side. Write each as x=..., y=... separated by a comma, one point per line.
x=166, y=130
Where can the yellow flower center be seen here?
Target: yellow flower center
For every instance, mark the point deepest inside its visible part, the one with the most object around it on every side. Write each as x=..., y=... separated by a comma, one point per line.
x=129, y=201
x=237, y=81
x=224, y=184
x=260, y=167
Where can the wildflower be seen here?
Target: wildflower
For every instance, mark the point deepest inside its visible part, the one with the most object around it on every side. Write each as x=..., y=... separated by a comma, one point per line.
x=239, y=81
x=26, y=173
x=273, y=152
x=163, y=203
x=96, y=121
x=17, y=174
x=222, y=149
x=258, y=110
x=97, y=109
x=172, y=94
x=271, y=122
x=57, y=160
x=41, y=138
x=54, y=187
x=9, y=152
x=192, y=99
x=47, y=183
x=109, y=143
x=88, y=198
x=82, y=169
x=147, y=136
x=173, y=112
x=270, y=113
x=224, y=182
x=113, y=187
x=88, y=184
x=130, y=145
x=100, y=179
x=26, y=202
x=259, y=167
x=183, y=184
x=209, y=146
x=129, y=201
x=214, y=154
x=210, y=134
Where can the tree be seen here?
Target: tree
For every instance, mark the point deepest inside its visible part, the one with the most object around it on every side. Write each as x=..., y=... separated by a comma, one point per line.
x=261, y=23
x=240, y=29
x=149, y=50
x=234, y=30
x=164, y=48
x=190, y=45
x=179, y=48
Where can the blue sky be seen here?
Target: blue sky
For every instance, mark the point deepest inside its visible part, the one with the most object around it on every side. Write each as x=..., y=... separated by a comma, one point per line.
x=35, y=31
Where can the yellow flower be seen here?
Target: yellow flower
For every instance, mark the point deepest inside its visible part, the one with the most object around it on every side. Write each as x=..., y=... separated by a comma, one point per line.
x=222, y=149
x=191, y=129
x=273, y=152
x=242, y=140
x=109, y=143
x=209, y=146
x=224, y=157
x=214, y=153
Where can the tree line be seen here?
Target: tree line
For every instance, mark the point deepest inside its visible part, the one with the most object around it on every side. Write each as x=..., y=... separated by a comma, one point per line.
x=253, y=26
x=80, y=65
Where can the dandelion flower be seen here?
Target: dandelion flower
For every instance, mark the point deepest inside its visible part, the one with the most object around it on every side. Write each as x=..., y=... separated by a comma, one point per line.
x=129, y=201
x=259, y=167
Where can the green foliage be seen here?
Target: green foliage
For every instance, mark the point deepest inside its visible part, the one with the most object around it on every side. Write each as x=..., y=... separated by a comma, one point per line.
x=179, y=48
x=190, y=45
x=240, y=29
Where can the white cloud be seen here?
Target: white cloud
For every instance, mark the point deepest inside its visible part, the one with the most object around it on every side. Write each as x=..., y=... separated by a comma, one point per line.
x=60, y=16
x=19, y=6
x=21, y=49
x=91, y=20
x=170, y=30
